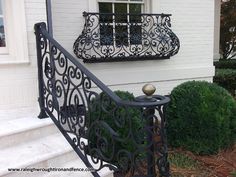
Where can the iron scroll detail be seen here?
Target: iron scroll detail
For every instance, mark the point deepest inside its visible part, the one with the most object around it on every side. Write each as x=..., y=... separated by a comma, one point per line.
x=106, y=37
x=70, y=95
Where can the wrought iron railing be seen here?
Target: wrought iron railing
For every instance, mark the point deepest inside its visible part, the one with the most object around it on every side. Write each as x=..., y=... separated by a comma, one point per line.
x=120, y=37
x=78, y=103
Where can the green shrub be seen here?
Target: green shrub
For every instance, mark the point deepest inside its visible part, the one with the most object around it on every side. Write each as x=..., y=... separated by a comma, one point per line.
x=122, y=121
x=233, y=174
x=201, y=117
x=225, y=64
x=226, y=78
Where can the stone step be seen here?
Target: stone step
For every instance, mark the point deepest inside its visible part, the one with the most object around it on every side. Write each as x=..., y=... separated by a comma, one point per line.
x=48, y=152
x=22, y=130
x=33, y=152
x=29, y=142
x=76, y=164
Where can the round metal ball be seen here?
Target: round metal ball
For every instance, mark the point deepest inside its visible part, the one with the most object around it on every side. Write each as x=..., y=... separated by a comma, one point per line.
x=149, y=89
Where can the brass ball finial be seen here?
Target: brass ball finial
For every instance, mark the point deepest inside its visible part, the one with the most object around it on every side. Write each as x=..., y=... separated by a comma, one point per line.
x=148, y=90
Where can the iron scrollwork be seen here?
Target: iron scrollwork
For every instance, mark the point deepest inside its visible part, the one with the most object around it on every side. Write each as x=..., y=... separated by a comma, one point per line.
x=70, y=95
x=120, y=37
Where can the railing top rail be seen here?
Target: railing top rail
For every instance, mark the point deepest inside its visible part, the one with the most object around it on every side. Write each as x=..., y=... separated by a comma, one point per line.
x=160, y=100
x=137, y=14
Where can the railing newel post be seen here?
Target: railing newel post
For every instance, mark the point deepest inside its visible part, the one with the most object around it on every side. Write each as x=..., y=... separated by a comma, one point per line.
x=149, y=114
x=41, y=101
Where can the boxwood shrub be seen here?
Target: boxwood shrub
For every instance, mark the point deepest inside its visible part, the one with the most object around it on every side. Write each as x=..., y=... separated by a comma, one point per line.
x=201, y=117
x=225, y=64
x=226, y=78
x=129, y=119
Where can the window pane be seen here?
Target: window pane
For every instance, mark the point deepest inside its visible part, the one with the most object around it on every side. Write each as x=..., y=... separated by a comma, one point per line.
x=135, y=34
x=105, y=8
x=1, y=7
x=135, y=9
x=2, y=34
x=2, y=30
x=121, y=35
x=121, y=9
x=106, y=34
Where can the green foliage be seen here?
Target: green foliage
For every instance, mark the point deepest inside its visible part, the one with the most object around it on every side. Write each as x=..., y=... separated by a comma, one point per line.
x=201, y=117
x=181, y=160
x=225, y=64
x=228, y=29
x=226, y=78
x=233, y=174
x=121, y=121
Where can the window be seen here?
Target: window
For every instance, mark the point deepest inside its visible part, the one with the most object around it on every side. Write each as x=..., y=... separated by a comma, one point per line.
x=13, y=33
x=3, y=48
x=114, y=17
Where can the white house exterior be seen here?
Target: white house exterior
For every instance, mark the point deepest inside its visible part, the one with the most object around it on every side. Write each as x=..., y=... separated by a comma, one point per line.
x=192, y=22
x=196, y=23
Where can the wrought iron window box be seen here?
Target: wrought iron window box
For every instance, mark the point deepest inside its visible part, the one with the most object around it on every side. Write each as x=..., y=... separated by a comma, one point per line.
x=108, y=37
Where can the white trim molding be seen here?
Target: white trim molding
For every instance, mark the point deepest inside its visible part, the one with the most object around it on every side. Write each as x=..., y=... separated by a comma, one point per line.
x=93, y=4
x=16, y=33
x=217, y=30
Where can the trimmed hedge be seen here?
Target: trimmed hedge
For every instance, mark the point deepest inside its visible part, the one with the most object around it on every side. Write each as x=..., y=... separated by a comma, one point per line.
x=121, y=120
x=225, y=64
x=226, y=78
x=201, y=117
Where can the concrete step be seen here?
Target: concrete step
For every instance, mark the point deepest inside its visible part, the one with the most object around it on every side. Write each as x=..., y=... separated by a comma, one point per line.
x=21, y=130
x=33, y=152
x=76, y=164
x=48, y=152
x=29, y=142
x=27, y=112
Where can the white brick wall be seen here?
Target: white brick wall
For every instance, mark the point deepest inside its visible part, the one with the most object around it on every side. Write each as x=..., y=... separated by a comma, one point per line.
x=18, y=86
x=192, y=21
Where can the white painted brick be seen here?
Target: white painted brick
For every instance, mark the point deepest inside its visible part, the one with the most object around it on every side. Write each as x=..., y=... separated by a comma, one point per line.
x=19, y=81
x=192, y=21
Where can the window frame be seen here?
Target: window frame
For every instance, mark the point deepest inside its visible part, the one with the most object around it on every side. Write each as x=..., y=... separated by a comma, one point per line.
x=4, y=50
x=15, y=32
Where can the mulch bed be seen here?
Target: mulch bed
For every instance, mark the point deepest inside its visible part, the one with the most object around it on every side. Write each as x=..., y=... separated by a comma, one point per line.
x=220, y=165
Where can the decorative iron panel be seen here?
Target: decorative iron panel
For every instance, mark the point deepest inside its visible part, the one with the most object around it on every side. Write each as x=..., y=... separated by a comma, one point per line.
x=120, y=37
x=93, y=118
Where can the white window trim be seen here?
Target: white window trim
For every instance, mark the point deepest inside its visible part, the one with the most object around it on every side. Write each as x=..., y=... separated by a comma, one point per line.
x=4, y=50
x=16, y=33
x=93, y=5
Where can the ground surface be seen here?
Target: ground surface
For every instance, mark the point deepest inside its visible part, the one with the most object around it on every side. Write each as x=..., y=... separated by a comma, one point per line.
x=221, y=165
x=186, y=164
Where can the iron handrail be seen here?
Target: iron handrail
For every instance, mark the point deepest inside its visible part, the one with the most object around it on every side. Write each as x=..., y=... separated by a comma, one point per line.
x=159, y=101
x=136, y=14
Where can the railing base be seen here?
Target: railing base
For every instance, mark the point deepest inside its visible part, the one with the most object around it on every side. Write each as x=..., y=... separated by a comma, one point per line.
x=42, y=115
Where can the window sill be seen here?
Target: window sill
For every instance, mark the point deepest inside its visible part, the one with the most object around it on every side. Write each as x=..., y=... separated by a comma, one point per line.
x=9, y=60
